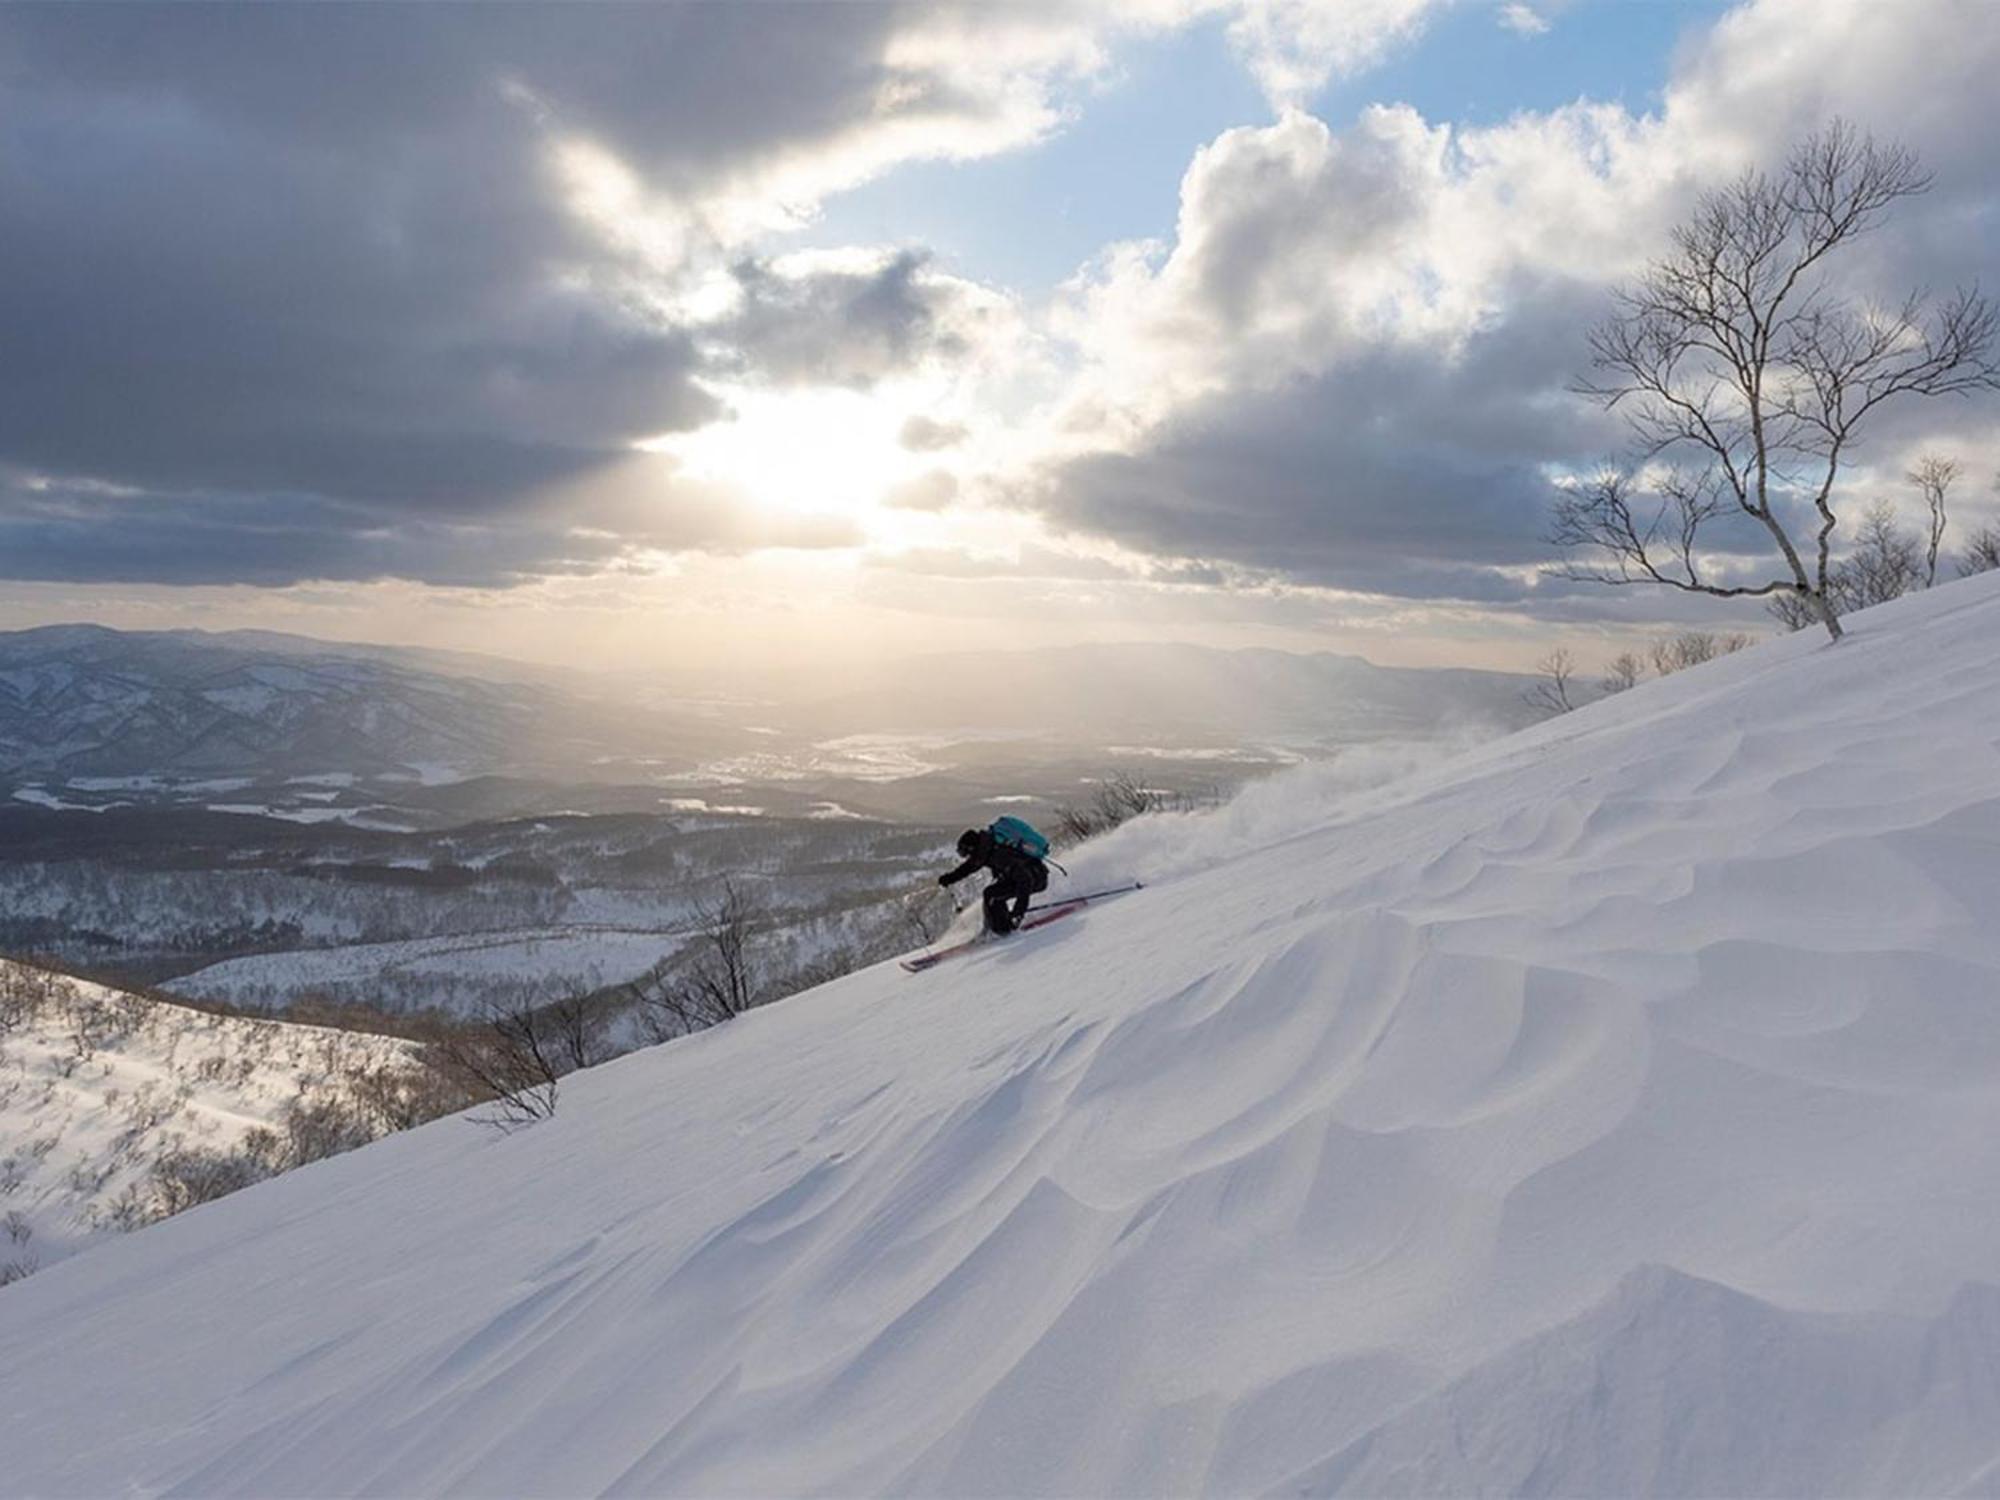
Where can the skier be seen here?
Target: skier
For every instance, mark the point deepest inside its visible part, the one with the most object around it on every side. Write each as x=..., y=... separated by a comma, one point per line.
x=1018, y=873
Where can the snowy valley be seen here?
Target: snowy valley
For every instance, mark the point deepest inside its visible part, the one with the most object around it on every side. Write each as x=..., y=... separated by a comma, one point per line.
x=262, y=819
x=1609, y=1109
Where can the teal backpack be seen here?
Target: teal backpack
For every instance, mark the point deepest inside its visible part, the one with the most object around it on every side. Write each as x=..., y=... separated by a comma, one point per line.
x=1017, y=834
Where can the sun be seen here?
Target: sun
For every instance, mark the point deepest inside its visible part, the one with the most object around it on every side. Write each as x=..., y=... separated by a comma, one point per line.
x=805, y=452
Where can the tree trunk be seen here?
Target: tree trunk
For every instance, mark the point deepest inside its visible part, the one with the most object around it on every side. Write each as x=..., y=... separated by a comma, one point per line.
x=1827, y=615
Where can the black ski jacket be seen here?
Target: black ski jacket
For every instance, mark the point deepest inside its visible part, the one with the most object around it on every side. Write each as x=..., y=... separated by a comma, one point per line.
x=1004, y=860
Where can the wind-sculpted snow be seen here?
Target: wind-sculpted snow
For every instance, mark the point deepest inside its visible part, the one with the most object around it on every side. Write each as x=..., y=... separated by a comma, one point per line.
x=1608, y=1111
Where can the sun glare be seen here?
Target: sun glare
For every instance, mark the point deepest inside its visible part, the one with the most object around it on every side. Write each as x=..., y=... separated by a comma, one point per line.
x=814, y=452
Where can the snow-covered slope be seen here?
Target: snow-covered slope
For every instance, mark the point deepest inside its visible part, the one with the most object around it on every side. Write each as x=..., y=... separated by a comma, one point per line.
x=1613, y=1110
x=114, y=1107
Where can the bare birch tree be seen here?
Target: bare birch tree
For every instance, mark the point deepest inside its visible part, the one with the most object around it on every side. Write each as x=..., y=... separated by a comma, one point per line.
x=1933, y=477
x=1745, y=378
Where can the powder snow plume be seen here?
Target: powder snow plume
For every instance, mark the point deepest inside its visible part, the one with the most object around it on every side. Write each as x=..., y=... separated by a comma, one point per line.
x=1160, y=846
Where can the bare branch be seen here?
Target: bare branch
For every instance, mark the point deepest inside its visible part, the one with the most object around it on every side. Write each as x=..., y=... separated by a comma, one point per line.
x=1646, y=537
x=1551, y=694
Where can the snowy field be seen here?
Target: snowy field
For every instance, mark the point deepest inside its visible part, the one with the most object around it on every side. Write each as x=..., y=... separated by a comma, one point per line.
x=97, y=1086
x=1611, y=1110
x=571, y=959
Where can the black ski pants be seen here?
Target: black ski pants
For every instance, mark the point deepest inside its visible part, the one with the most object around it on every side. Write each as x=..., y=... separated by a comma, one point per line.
x=1007, y=896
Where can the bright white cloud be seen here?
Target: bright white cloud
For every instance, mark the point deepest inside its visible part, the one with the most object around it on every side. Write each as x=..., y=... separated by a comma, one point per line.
x=1292, y=47
x=1524, y=20
x=1297, y=244
x=960, y=83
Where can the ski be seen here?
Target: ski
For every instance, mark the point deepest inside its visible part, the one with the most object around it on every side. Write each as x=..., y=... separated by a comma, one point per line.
x=1038, y=916
x=1110, y=890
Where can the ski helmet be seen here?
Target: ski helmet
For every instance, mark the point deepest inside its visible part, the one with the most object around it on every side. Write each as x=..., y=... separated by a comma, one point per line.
x=968, y=842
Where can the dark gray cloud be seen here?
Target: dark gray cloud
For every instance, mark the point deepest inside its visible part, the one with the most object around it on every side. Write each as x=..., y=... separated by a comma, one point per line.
x=53, y=531
x=1406, y=469
x=681, y=91
x=845, y=327
x=308, y=263
x=267, y=540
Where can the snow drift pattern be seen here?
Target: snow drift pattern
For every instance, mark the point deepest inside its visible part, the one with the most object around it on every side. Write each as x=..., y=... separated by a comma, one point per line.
x=1611, y=1110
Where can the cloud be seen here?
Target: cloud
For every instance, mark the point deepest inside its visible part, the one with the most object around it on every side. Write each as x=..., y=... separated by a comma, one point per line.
x=1292, y=47
x=54, y=529
x=852, y=320
x=1523, y=20
x=1344, y=482
x=922, y=434
x=1026, y=562
x=345, y=292
x=394, y=269
x=1349, y=367
x=933, y=490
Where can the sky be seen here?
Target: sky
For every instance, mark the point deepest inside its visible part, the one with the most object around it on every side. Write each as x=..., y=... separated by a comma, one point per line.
x=697, y=335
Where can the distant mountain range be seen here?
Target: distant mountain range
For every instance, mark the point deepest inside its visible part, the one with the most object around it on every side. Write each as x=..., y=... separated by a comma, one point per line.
x=86, y=701
x=1184, y=691
x=82, y=703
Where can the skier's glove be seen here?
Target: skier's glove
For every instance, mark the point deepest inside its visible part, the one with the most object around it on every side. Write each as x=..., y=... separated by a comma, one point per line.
x=943, y=883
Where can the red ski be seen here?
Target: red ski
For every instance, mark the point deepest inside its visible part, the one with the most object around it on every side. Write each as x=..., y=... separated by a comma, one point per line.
x=1038, y=916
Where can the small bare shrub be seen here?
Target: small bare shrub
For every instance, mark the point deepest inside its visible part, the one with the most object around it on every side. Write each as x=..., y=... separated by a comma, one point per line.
x=1676, y=653
x=508, y=1063
x=1982, y=552
x=182, y=1179
x=1119, y=798
x=1621, y=673
x=1551, y=696
x=927, y=912
x=315, y=1129
x=718, y=981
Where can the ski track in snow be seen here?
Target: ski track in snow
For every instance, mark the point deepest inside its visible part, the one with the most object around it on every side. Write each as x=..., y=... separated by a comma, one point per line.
x=1609, y=1110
